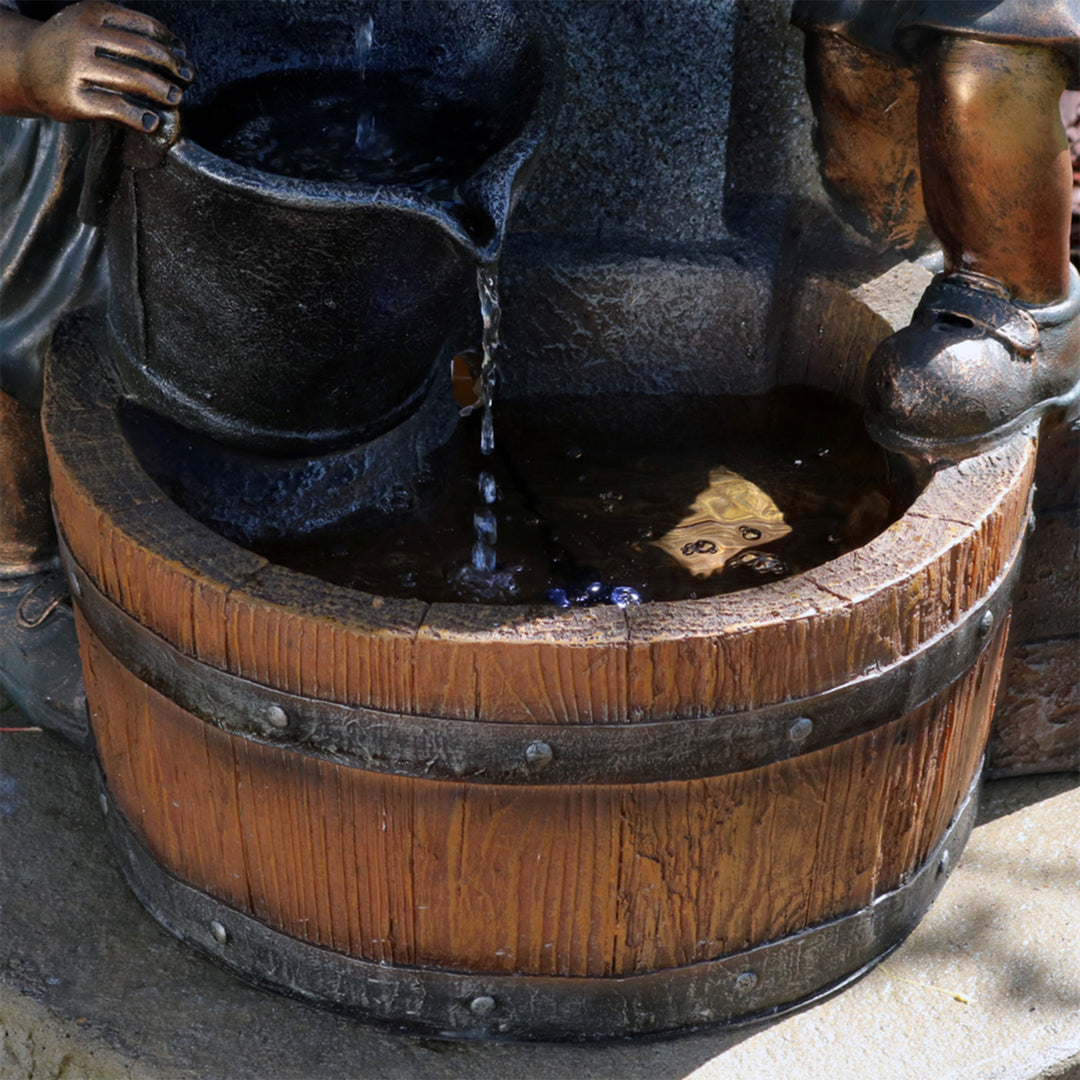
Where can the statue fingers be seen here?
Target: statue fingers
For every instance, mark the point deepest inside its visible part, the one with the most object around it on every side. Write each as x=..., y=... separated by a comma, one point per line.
x=134, y=50
x=120, y=78
x=98, y=103
x=112, y=17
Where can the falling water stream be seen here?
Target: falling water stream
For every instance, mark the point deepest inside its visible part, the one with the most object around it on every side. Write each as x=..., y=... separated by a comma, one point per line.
x=482, y=576
x=365, y=120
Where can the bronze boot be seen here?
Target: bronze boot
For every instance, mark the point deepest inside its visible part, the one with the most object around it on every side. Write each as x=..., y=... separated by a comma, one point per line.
x=40, y=670
x=973, y=368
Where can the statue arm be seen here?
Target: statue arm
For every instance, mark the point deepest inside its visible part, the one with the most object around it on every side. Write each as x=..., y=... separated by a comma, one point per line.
x=91, y=61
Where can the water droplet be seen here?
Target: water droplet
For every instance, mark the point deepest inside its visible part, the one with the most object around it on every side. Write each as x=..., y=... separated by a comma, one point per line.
x=486, y=527
x=623, y=596
x=559, y=598
x=592, y=592
x=489, y=490
x=365, y=35
x=487, y=431
x=483, y=556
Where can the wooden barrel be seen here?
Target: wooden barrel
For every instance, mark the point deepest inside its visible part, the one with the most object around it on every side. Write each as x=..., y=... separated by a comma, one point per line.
x=521, y=823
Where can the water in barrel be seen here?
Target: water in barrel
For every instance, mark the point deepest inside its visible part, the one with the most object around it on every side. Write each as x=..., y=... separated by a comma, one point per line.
x=620, y=499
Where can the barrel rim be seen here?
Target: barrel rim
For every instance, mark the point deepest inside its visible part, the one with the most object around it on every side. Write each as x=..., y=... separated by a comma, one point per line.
x=490, y=752
x=946, y=498
x=95, y=469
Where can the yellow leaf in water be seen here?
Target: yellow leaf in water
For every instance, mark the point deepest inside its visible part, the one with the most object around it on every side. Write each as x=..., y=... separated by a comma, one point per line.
x=729, y=516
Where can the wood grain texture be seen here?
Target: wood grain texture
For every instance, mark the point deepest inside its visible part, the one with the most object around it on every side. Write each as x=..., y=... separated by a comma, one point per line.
x=233, y=611
x=603, y=879
x=575, y=880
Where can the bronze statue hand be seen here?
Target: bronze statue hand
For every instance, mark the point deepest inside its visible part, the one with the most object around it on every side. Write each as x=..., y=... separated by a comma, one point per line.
x=93, y=61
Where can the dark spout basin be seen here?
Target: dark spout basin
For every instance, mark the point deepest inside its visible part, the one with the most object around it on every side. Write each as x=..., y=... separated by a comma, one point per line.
x=288, y=307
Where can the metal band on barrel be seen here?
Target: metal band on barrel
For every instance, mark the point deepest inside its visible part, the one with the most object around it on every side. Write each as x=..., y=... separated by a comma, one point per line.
x=511, y=753
x=739, y=988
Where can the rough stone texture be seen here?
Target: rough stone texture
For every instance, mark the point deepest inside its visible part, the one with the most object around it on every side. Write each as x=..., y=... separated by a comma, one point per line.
x=648, y=239
x=638, y=148
x=644, y=324
x=680, y=123
x=1048, y=595
x=1037, y=723
x=91, y=987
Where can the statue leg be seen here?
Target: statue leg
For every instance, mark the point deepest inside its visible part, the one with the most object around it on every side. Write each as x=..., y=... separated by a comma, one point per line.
x=995, y=340
x=39, y=659
x=865, y=107
x=996, y=173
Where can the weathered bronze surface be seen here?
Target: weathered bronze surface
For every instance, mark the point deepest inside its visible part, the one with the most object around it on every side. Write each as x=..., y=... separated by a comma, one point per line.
x=92, y=61
x=27, y=533
x=956, y=107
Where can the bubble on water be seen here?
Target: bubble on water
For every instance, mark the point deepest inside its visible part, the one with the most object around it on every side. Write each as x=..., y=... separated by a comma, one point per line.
x=623, y=596
x=559, y=598
x=769, y=564
x=748, y=532
x=487, y=530
x=699, y=547
x=761, y=562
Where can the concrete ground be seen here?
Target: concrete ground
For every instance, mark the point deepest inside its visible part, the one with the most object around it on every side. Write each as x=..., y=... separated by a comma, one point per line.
x=987, y=987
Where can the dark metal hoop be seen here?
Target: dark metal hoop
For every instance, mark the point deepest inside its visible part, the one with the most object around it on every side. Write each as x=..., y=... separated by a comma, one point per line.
x=509, y=753
x=737, y=989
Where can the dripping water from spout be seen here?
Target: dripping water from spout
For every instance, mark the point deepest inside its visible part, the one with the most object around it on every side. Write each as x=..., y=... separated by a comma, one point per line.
x=365, y=121
x=482, y=576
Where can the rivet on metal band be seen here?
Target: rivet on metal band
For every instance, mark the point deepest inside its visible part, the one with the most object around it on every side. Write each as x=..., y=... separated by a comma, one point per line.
x=493, y=752
x=738, y=988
